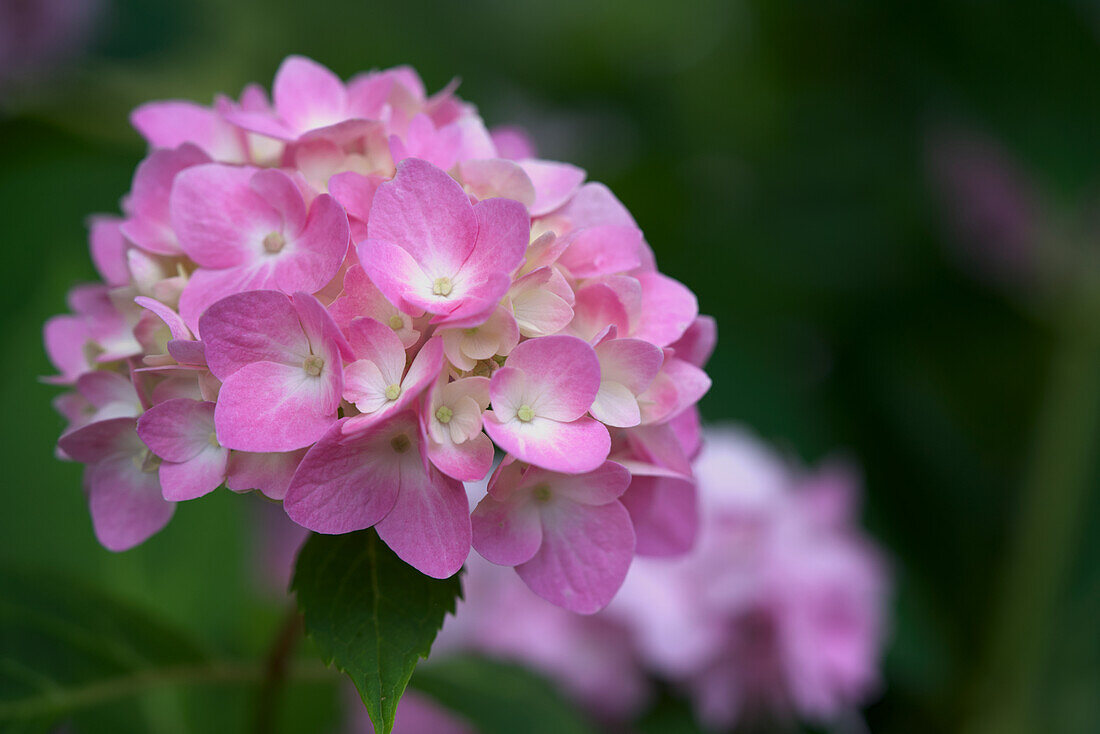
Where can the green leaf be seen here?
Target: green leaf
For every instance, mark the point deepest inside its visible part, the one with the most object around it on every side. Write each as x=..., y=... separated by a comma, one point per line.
x=499, y=698
x=370, y=613
x=66, y=647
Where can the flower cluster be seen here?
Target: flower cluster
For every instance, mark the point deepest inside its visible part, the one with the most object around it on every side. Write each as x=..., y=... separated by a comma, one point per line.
x=349, y=298
x=778, y=612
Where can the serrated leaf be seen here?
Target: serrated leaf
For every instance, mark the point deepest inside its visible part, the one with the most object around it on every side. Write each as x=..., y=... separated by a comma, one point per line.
x=498, y=697
x=65, y=647
x=370, y=613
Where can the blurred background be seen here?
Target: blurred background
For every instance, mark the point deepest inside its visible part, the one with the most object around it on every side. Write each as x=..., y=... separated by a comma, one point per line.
x=891, y=209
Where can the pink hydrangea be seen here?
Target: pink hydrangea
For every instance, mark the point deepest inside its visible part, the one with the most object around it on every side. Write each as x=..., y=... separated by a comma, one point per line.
x=352, y=296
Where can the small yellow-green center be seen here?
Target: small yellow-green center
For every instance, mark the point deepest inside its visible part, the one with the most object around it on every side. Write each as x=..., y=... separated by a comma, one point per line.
x=400, y=443
x=442, y=286
x=213, y=439
x=444, y=414
x=392, y=392
x=147, y=461
x=525, y=413
x=541, y=492
x=313, y=365
x=396, y=322
x=274, y=242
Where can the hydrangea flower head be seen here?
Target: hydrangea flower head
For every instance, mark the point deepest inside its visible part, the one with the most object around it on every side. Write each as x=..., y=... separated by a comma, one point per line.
x=353, y=297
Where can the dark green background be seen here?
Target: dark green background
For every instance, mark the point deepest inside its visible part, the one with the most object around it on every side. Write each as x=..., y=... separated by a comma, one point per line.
x=775, y=155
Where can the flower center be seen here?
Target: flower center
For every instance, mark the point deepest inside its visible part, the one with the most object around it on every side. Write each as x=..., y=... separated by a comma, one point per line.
x=525, y=413
x=213, y=439
x=392, y=392
x=396, y=322
x=541, y=492
x=313, y=365
x=442, y=286
x=274, y=242
x=400, y=443
x=444, y=414
x=147, y=461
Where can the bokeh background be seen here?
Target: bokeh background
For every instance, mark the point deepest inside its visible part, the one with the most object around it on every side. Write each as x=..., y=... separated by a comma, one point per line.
x=891, y=209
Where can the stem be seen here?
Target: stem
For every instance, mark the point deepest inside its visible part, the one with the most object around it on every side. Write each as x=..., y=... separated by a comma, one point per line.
x=275, y=672
x=217, y=672
x=1045, y=533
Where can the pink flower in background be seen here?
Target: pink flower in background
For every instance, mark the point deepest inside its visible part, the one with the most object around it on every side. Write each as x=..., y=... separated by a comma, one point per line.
x=347, y=297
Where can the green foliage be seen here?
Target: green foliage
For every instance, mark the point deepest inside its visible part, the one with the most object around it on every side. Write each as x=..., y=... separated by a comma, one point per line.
x=499, y=698
x=64, y=647
x=370, y=613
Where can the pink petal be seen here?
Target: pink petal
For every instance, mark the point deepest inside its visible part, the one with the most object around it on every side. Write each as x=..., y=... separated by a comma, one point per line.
x=497, y=177
x=125, y=503
x=598, y=306
x=355, y=192
x=632, y=362
x=575, y=447
x=468, y=461
x=598, y=487
x=563, y=375
x=108, y=249
x=698, y=342
x=603, y=250
x=65, y=338
x=206, y=287
x=252, y=327
x=504, y=230
x=512, y=142
x=177, y=430
x=585, y=554
x=401, y=280
x=554, y=184
x=100, y=440
x=198, y=476
x=268, y=472
x=348, y=482
x=265, y=406
x=379, y=344
x=668, y=308
x=170, y=124
x=665, y=514
x=148, y=224
x=280, y=192
x=594, y=205
x=615, y=405
x=307, y=95
x=170, y=318
x=319, y=249
x=425, y=212
x=219, y=218
x=429, y=525
x=506, y=533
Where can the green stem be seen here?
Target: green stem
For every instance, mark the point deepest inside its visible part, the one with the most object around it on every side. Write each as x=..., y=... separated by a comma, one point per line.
x=225, y=672
x=267, y=700
x=1045, y=534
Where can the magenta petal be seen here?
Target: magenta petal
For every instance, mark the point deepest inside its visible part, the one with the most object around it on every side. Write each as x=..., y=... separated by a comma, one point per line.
x=355, y=192
x=319, y=249
x=198, y=476
x=349, y=482
x=429, y=525
x=467, y=462
x=206, y=287
x=177, y=430
x=603, y=250
x=506, y=533
x=99, y=440
x=251, y=327
x=665, y=514
x=598, y=487
x=697, y=343
x=572, y=448
x=394, y=272
x=219, y=217
x=585, y=554
x=426, y=213
x=265, y=406
x=108, y=248
x=504, y=230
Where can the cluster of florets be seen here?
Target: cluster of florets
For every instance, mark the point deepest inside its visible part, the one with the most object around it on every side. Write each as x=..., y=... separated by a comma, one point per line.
x=779, y=611
x=351, y=298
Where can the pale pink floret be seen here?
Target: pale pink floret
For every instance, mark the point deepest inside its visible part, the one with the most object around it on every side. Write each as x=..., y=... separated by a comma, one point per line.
x=491, y=177
x=430, y=249
x=124, y=493
x=96, y=333
x=250, y=229
x=554, y=183
x=181, y=432
x=540, y=398
x=376, y=382
x=378, y=477
x=280, y=362
x=677, y=386
x=627, y=367
x=542, y=302
x=451, y=420
x=147, y=224
x=568, y=536
x=499, y=335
